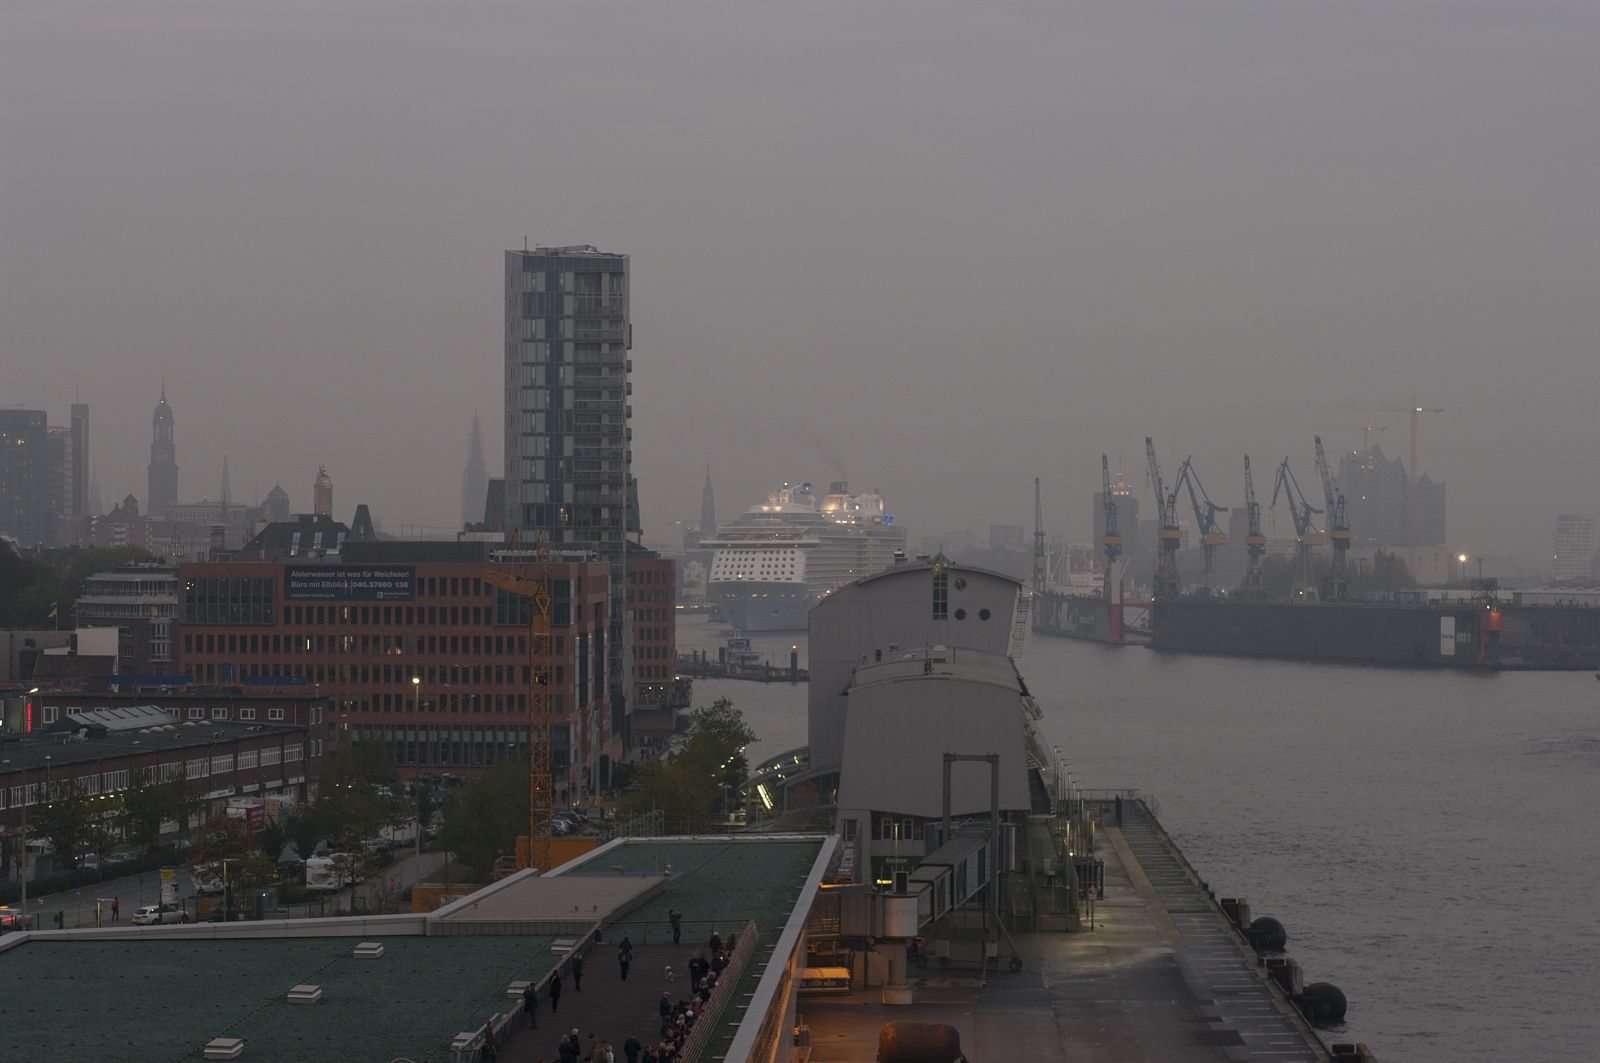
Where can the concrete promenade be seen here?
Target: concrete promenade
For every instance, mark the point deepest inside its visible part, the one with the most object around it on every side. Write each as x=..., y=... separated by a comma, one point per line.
x=1159, y=978
x=608, y=1007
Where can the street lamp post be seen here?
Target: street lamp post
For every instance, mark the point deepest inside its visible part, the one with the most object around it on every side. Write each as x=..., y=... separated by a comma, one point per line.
x=1462, y=560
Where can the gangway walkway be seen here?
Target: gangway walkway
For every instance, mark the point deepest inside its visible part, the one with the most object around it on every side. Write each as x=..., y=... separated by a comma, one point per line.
x=1246, y=1012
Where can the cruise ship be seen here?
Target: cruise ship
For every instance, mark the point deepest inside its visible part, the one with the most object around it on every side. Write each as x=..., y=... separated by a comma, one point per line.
x=780, y=557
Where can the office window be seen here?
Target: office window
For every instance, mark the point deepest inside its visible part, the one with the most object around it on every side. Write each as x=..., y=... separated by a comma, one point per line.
x=196, y=713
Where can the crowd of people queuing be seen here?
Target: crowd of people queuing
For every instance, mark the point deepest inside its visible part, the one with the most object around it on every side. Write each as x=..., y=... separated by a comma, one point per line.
x=677, y=1016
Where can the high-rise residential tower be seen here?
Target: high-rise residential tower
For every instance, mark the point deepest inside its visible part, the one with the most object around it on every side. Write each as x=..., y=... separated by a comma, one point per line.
x=80, y=470
x=568, y=446
x=475, y=479
x=163, y=469
x=23, y=475
x=1574, y=546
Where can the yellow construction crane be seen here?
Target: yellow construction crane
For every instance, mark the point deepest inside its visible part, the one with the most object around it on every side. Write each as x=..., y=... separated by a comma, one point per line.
x=541, y=797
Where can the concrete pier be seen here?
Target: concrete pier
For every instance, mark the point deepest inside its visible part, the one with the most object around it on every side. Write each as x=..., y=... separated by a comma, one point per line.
x=1160, y=977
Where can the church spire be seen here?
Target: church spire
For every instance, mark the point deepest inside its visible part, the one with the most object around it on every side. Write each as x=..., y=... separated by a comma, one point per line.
x=708, y=507
x=227, y=491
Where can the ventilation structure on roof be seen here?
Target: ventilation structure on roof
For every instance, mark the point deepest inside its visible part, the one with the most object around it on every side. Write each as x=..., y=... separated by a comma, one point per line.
x=224, y=1048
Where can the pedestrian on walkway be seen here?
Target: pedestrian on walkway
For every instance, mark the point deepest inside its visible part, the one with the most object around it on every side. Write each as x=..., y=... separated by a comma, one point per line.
x=555, y=993
x=593, y=1055
x=676, y=918
x=576, y=966
x=116, y=908
x=567, y=1050
x=665, y=1007
x=631, y=1048
x=530, y=1004
x=624, y=957
x=715, y=944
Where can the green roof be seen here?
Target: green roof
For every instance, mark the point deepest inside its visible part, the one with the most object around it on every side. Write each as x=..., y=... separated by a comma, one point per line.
x=140, y=1000
x=715, y=880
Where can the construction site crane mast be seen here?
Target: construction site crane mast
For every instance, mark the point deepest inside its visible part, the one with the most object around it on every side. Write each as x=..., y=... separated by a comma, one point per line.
x=1307, y=534
x=1111, y=540
x=1338, y=529
x=1170, y=535
x=535, y=589
x=1205, y=517
x=1039, y=554
x=1255, y=543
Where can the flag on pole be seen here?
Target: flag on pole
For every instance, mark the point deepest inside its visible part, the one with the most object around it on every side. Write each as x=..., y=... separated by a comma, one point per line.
x=53, y=611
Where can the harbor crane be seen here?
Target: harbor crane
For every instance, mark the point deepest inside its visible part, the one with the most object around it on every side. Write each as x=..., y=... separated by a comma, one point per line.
x=1170, y=535
x=1111, y=540
x=1255, y=543
x=1205, y=518
x=1307, y=534
x=1338, y=529
x=535, y=589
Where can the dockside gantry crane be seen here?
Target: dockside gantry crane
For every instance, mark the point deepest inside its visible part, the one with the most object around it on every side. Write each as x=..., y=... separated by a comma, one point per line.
x=1205, y=518
x=1170, y=535
x=1306, y=533
x=1338, y=530
x=535, y=589
x=1255, y=543
x=1111, y=540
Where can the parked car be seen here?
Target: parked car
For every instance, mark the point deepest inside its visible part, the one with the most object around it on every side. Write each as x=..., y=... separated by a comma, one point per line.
x=10, y=918
x=159, y=913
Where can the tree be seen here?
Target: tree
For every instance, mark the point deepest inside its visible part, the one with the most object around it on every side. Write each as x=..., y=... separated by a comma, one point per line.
x=66, y=817
x=690, y=783
x=358, y=794
x=229, y=844
x=483, y=819
x=147, y=804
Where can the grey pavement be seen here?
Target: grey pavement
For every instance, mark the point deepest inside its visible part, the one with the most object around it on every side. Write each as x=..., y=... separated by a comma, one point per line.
x=1158, y=978
x=609, y=1008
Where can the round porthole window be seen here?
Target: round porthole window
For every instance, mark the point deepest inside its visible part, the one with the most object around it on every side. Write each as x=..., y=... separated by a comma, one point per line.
x=961, y=614
x=961, y=583
x=983, y=614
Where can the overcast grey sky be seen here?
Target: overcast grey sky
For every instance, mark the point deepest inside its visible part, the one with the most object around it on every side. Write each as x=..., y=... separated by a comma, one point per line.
x=945, y=247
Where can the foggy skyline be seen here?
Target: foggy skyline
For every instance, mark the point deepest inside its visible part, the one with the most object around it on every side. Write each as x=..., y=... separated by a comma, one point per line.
x=935, y=249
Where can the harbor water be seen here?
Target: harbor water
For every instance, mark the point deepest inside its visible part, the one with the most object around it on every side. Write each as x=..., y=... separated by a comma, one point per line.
x=1427, y=837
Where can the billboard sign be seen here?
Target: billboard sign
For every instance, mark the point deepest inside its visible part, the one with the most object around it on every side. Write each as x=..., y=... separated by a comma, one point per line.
x=350, y=583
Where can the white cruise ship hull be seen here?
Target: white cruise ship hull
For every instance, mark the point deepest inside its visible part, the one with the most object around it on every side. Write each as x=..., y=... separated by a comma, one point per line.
x=751, y=606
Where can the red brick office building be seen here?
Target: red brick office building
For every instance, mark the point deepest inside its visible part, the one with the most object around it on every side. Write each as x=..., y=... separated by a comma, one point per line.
x=414, y=648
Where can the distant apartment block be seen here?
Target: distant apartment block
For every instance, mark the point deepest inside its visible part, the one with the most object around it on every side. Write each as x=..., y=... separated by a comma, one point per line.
x=1574, y=547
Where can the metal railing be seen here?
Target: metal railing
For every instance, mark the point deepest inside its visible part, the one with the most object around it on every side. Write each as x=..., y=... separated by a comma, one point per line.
x=706, y=1026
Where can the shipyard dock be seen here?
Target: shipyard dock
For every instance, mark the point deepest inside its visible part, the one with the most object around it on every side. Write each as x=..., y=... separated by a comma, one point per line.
x=1160, y=976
